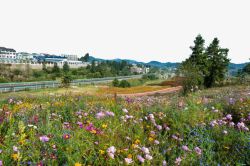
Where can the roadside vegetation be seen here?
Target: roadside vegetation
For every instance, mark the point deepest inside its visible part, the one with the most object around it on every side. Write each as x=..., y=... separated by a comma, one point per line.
x=94, y=70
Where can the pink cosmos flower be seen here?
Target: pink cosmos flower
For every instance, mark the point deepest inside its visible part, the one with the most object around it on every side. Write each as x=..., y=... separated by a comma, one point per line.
x=185, y=148
x=80, y=124
x=109, y=113
x=159, y=127
x=111, y=152
x=100, y=115
x=44, y=138
x=15, y=148
x=178, y=161
x=66, y=136
x=156, y=142
x=1, y=163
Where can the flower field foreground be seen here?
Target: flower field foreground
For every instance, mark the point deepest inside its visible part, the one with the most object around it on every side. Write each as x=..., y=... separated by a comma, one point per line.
x=205, y=128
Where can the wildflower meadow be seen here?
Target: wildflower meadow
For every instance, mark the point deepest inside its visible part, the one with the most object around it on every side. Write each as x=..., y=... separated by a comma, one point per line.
x=204, y=128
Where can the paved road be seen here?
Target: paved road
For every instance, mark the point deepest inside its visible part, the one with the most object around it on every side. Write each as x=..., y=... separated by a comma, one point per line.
x=13, y=87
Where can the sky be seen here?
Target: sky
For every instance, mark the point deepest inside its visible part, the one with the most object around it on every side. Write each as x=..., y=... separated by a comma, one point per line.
x=143, y=30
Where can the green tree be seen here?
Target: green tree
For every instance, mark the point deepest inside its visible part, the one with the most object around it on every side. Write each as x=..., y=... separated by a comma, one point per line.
x=66, y=67
x=198, y=58
x=246, y=69
x=44, y=67
x=55, y=68
x=218, y=63
x=85, y=58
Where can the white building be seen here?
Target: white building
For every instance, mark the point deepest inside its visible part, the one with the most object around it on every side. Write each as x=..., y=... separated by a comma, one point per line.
x=24, y=57
x=7, y=55
x=70, y=57
x=139, y=70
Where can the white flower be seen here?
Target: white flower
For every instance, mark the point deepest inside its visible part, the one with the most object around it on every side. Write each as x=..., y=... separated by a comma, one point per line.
x=111, y=149
x=148, y=157
x=128, y=161
x=145, y=150
x=125, y=110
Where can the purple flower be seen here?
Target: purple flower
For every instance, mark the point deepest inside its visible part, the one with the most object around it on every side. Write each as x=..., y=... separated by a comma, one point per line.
x=159, y=127
x=140, y=158
x=44, y=138
x=229, y=117
x=15, y=148
x=80, y=124
x=231, y=101
x=198, y=150
x=156, y=142
x=109, y=113
x=185, y=148
x=178, y=161
x=145, y=150
x=100, y=115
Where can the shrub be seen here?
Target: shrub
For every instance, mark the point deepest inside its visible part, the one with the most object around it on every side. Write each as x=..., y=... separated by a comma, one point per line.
x=150, y=77
x=66, y=80
x=3, y=80
x=116, y=82
x=124, y=84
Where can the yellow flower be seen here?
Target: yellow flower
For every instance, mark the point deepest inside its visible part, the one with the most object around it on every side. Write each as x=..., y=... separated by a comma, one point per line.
x=134, y=146
x=93, y=131
x=151, y=139
x=137, y=141
x=104, y=126
x=15, y=156
x=130, y=156
x=78, y=164
x=101, y=151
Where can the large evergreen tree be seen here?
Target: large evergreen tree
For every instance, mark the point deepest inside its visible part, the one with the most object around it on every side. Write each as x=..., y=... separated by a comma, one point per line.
x=218, y=65
x=198, y=58
x=205, y=67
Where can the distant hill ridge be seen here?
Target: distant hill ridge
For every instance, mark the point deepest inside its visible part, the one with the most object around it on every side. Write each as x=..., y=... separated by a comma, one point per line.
x=232, y=66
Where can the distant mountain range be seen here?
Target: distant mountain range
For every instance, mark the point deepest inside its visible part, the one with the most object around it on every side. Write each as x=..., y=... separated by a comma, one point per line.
x=151, y=63
x=232, y=66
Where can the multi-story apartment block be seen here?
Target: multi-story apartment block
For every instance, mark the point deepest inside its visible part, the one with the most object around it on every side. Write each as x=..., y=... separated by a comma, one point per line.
x=7, y=55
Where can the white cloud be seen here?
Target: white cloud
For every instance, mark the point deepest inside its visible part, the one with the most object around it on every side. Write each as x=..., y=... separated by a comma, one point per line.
x=137, y=29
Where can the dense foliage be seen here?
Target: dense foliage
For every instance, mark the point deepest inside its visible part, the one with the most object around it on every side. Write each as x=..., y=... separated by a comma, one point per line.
x=206, y=67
